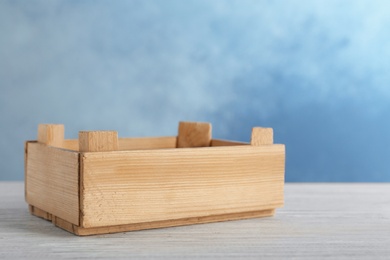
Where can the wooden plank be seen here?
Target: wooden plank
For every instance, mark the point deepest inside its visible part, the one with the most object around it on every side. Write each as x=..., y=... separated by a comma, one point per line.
x=147, y=225
x=165, y=223
x=61, y=223
x=40, y=213
x=194, y=134
x=51, y=134
x=71, y=144
x=145, y=143
x=98, y=141
x=53, y=180
x=262, y=136
x=127, y=187
x=170, y=223
x=138, y=143
x=219, y=142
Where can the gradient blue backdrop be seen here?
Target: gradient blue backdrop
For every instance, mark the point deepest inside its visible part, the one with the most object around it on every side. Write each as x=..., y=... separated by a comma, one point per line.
x=315, y=71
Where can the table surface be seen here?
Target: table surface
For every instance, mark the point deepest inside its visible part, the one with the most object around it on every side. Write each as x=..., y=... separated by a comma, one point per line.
x=318, y=221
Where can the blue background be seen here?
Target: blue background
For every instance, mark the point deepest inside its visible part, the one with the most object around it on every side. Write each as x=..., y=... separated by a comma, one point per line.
x=315, y=71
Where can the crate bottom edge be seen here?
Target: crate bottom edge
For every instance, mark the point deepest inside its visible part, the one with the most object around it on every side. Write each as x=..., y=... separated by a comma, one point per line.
x=80, y=231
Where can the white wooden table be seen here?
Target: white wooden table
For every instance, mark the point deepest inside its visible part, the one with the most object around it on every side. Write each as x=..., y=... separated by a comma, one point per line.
x=318, y=221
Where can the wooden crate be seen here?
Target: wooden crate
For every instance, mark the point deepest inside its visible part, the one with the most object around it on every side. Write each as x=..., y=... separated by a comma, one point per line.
x=100, y=183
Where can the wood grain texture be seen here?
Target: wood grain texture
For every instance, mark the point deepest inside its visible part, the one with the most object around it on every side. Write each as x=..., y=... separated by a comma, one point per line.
x=98, y=141
x=128, y=187
x=219, y=142
x=146, y=225
x=71, y=144
x=40, y=213
x=145, y=143
x=262, y=136
x=53, y=180
x=51, y=134
x=124, y=144
x=170, y=223
x=318, y=221
x=194, y=134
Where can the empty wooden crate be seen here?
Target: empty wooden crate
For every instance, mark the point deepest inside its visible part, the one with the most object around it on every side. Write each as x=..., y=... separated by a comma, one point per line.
x=100, y=183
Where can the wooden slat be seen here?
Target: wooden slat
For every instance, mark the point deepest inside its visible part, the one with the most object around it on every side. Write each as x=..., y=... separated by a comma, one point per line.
x=142, y=143
x=40, y=213
x=194, y=134
x=98, y=141
x=52, y=177
x=168, y=223
x=146, y=225
x=145, y=143
x=218, y=142
x=61, y=223
x=71, y=144
x=127, y=187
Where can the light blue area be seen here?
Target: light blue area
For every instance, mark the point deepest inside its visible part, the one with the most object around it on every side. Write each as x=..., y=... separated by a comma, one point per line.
x=315, y=71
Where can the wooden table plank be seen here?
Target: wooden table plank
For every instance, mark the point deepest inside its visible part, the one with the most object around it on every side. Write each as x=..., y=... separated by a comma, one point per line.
x=343, y=221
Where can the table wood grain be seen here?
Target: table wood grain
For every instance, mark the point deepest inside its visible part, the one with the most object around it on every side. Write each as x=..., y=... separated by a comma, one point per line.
x=338, y=221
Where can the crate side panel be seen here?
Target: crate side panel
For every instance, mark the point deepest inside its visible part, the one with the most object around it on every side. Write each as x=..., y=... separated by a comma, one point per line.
x=71, y=144
x=142, y=186
x=141, y=143
x=219, y=142
x=52, y=177
x=147, y=143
